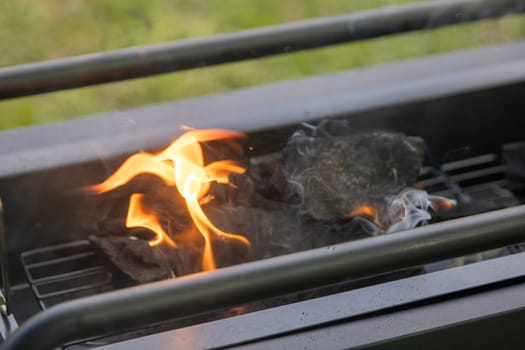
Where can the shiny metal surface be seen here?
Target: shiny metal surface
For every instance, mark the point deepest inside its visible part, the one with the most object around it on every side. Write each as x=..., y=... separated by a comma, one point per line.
x=158, y=302
x=4, y=262
x=351, y=305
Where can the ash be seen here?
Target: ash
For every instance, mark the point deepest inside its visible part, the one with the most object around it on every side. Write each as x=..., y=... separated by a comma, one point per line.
x=303, y=197
x=331, y=169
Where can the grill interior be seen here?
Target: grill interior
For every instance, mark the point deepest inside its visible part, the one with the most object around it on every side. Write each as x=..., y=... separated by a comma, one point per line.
x=482, y=174
x=67, y=271
x=63, y=272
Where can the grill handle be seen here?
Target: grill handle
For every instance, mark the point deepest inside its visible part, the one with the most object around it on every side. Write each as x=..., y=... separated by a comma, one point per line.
x=167, y=300
x=4, y=264
x=174, y=56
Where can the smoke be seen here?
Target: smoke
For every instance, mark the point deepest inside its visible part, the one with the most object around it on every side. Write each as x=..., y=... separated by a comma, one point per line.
x=411, y=208
x=328, y=170
x=330, y=184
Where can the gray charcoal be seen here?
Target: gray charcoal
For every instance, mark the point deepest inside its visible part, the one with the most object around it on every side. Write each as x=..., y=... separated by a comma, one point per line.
x=329, y=170
x=135, y=257
x=278, y=231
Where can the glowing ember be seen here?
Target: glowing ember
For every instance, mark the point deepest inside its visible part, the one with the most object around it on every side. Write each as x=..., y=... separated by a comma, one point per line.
x=180, y=165
x=364, y=210
x=403, y=211
x=373, y=222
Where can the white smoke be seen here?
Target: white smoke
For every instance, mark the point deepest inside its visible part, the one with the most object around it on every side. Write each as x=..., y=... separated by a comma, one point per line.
x=410, y=208
x=404, y=211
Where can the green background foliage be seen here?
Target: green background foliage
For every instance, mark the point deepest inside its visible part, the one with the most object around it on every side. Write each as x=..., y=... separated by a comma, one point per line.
x=34, y=30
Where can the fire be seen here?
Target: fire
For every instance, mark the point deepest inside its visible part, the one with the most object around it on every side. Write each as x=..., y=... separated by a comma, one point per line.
x=180, y=165
x=403, y=211
x=138, y=216
x=364, y=210
x=367, y=211
x=445, y=204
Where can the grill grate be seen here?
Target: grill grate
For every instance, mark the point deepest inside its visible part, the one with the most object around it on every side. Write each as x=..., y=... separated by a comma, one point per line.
x=64, y=272
x=72, y=270
x=478, y=183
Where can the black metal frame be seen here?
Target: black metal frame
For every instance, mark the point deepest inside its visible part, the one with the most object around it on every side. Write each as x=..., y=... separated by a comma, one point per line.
x=272, y=328
x=3, y=263
x=488, y=318
x=176, y=56
x=7, y=320
x=370, y=96
x=231, y=286
x=163, y=301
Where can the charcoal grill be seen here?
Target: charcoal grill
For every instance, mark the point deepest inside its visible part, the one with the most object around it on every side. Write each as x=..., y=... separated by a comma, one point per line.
x=392, y=291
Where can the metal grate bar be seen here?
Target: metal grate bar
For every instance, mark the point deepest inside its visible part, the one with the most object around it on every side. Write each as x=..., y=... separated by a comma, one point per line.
x=471, y=175
x=56, y=248
x=440, y=179
x=67, y=276
x=449, y=193
x=63, y=272
x=464, y=163
x=450, y=178
x=60, y=260
x=76, y=289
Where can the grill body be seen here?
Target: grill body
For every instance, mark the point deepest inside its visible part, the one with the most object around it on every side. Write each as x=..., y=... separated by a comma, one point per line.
x=466, y=105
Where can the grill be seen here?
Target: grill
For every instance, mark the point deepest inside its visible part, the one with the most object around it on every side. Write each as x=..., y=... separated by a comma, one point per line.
x=69, y=271
x=462, y=274
x=63, y=272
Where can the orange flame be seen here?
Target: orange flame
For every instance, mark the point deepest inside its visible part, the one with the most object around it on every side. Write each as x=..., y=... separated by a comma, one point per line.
x=368, y=212
x=446, y=204
x=364, y=210
x=181, y=165
x=138, y=216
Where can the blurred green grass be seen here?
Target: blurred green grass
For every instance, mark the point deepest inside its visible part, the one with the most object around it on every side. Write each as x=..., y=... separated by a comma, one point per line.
x=49, y=29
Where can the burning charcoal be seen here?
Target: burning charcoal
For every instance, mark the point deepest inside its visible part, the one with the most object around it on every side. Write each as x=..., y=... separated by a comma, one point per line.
x=271, y=232
x=229, y=252
x=135, y=257
x=180, y=166
x=279, y=231
x=329, y=170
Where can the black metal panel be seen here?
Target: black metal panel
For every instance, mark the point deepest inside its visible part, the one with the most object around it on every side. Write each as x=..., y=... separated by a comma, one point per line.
x=426, y=96
x=499, y=330
x=7, y=320
x=4, y=265
x=490, y=319
x=342, y=307
x=449, y=100
x=162, y=301
x=144, y=61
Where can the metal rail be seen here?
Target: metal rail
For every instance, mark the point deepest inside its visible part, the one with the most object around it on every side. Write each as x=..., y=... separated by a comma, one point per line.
x=4, y=262
x=158, y=302
x=180, y=55
x=51, y=283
